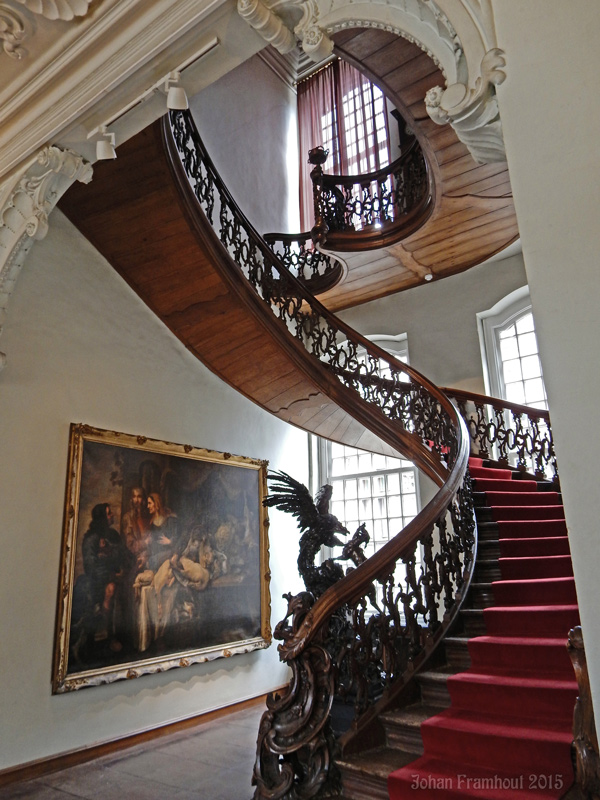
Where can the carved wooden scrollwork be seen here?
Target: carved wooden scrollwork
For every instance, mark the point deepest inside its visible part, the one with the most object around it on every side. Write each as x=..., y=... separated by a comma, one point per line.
x=318, y=271
x=295, y=746
x=585, y=739
x=404, y=395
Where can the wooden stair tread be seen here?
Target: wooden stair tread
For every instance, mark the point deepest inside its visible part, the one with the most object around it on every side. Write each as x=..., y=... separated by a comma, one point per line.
x=411, y=715
x=378, y=762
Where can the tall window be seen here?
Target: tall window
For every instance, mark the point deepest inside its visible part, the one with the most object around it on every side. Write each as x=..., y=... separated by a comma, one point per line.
x=342, y=110
x=378, y=490
x=521, y=365
x=381, y=491
x=509, y=344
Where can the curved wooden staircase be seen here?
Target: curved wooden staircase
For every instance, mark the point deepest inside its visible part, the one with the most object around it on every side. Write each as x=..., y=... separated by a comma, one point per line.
x=211, y=278
x=142, y=215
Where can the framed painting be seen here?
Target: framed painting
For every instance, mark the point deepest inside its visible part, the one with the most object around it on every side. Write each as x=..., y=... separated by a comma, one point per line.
x=164, y=558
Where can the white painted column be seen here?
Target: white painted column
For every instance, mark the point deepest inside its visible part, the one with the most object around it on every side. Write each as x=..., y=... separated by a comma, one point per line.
x=550, y=110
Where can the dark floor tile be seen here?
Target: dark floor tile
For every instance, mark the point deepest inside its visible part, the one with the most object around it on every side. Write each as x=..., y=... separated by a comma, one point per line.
x=109, y=784
x=213, y=761
x=34, y=790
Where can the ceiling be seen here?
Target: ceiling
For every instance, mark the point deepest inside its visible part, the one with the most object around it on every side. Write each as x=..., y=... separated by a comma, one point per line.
x=66, y=74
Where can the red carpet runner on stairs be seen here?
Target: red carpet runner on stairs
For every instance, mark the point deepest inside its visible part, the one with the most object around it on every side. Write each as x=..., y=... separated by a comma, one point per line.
x=507, y=733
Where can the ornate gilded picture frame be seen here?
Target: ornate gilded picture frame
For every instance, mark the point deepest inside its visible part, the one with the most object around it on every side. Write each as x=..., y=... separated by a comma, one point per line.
x=164, y=558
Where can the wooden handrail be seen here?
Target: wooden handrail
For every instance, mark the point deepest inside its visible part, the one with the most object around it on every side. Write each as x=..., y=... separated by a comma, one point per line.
x=404, y=409
x=297, y=297
x=353, y=585
x=495, y=402
x=377, y=176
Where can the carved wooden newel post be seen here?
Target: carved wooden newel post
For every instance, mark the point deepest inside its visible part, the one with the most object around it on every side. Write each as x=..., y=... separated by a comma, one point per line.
x=318, y=156
x=585, y=739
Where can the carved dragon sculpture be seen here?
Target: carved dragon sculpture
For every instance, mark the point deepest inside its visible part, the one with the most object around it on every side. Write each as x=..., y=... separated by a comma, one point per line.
x=319, y=529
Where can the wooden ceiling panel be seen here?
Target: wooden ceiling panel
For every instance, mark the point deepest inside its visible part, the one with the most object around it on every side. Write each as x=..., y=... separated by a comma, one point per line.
x=474, y=215
x=366, y=41
x=466, y=167
x=390, y=58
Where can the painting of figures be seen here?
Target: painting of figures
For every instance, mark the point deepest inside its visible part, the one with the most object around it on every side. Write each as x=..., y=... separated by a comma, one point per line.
x=164, y=558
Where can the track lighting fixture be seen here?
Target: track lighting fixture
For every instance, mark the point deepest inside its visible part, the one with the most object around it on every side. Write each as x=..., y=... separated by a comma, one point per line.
x=105, y=146
x=176, y=96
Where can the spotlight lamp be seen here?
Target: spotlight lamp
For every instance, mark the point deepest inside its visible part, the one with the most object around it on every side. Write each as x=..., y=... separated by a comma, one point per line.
x=428, y=276
x=176, y=96
x=105, y=146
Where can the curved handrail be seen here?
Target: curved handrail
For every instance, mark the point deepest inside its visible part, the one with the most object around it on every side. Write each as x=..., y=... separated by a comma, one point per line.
x=318, y=271
x=375, y=209
x=313, y=328
x=505, y=430
x=401, y=620
x=376, y=176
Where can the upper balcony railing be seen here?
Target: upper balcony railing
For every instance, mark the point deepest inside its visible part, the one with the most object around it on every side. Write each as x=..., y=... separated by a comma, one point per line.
x=318, y=271
x=364, y=212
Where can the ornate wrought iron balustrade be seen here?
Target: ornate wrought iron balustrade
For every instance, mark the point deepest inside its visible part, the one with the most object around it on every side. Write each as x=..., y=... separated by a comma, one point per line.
x=318, y=271
x=404, y=396
x=368, y=633
x=515, y=435
x=364, y=211
x=361, y=642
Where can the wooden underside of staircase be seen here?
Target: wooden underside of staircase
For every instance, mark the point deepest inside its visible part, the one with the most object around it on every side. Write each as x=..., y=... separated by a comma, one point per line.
x=134, y=213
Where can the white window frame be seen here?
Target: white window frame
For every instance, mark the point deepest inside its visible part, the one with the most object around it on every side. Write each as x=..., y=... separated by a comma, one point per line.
x=489, y=325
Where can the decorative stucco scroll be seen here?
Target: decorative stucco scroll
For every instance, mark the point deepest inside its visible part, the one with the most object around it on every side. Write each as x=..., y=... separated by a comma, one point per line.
x=458, y=35
x=57, y=9
x=12, y=32
x=267, y=24
x=473, y=113
x=14, y=28
x=280, y=30
x=25, y=203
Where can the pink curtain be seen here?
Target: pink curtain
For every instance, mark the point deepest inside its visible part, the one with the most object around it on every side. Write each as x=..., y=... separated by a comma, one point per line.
x=339, y=108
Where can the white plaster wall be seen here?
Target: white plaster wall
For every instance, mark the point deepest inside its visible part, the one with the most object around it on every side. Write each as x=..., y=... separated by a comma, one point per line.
x=248, y=122
x=439, y=318
x=83, y=348
x=551, y=120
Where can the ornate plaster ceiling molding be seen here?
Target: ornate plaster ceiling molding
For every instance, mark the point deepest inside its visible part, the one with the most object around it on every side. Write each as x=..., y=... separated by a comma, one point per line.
x=267, y=24
x=458, y=35
x=14, y=27
x=57, y=9
x=25, y=203
x=473, y=113
x=12, y=32
x=79, y=74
